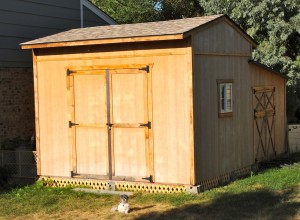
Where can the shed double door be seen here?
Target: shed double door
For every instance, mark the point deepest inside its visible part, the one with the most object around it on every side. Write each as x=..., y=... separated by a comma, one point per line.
x=110, y=123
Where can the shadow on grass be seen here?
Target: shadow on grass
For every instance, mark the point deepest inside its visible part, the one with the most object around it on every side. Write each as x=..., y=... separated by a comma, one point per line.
x=261, y=204
x=141, y=208
x=295, y=157
x=8, y=187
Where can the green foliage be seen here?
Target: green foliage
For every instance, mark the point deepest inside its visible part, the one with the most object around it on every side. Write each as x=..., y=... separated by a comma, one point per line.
x=135, y=11
x=37, y=198
x=174, y=199
x=129, y=11
x=176, y=9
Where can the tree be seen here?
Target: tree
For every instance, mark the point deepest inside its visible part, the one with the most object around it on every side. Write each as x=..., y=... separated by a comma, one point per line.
x=134, y=11
x=176, y=9
x=129, y=11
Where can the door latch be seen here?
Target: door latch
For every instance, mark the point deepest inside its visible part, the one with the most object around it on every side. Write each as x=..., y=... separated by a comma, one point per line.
x=71, y=124
x=146, y=125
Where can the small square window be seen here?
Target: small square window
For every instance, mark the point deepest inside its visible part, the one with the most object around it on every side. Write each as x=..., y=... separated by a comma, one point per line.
x=225, y=97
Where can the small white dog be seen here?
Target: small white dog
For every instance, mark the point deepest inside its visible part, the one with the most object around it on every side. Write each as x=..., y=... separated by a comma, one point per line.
x=123, y=206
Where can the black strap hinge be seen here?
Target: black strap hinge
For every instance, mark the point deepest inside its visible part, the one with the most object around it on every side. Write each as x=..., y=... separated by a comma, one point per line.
x=109, y=125
x=71, y=124
x=147, y=69
x=69, y=72
x=150, y=179
x=146, y=125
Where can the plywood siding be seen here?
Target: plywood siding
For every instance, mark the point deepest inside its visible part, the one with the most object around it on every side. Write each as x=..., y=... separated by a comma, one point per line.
x=171, y=108
x=21, y=21
x=53, y=129
x=221, y=38
x=222, y=144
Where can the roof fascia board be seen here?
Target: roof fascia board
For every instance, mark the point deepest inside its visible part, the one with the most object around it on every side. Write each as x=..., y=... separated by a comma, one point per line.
x=96, y=11
x=103, y=41
x=226, y=19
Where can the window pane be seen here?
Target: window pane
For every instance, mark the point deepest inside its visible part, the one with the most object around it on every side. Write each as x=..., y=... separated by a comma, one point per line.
x=223, y=97
x=229, y=97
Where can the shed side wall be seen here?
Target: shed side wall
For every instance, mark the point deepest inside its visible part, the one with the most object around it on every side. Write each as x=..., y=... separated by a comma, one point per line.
x=171, y=103
x=225, y=144
x=221, y=145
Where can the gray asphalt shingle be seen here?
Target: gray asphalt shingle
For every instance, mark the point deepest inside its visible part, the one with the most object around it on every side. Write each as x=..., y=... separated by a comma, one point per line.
x=159, y=28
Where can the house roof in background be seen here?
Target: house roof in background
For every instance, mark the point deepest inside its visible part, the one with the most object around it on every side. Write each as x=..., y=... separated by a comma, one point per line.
x=91, y=6
x=151, y=31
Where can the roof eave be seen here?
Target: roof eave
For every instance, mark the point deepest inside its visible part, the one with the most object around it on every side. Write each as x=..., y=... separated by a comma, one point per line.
x=103, y=41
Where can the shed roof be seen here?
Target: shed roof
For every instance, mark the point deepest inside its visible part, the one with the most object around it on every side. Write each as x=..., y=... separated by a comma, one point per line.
x=151, y=31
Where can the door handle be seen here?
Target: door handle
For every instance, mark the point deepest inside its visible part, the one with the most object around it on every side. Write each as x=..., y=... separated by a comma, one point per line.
x=146, y=125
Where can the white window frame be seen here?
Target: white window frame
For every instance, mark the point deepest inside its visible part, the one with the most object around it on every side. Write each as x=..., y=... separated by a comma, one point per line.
x=225, y=100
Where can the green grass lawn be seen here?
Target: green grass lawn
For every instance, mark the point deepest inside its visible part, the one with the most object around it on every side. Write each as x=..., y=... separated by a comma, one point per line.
x=273, y=194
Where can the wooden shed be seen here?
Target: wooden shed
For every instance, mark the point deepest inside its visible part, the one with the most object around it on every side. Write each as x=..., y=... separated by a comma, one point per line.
x=176, y=102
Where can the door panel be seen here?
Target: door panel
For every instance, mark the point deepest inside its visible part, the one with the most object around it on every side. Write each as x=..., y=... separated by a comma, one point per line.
x=129, y=111
x=128, y=98
x=91, y=144
x=91, y=131
x=129, y=152
x=90, y=99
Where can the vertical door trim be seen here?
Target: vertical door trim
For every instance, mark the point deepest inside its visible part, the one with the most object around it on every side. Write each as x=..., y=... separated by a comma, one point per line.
x=150, y=164
x=109, y=125
x=71, y=117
